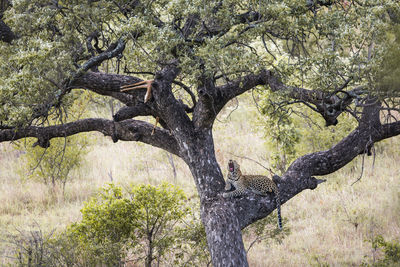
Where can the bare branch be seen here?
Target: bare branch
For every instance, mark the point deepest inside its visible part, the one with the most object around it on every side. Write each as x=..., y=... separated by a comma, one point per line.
x=109, y=85
x=127, y=130
x=212, y=100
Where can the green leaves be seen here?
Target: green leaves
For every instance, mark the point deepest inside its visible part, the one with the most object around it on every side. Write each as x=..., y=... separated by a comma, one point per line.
x=388, y=73
x=391, y=251
x=317, y=48
x=292, y=131
x=145, y=220
x=53, y=165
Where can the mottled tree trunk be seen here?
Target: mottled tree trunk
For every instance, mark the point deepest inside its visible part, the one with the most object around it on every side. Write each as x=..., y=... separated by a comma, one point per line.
x=224, y=235
x=218, y=215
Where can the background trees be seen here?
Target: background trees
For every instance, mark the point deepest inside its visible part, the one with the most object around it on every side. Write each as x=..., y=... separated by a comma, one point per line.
x=201, y=55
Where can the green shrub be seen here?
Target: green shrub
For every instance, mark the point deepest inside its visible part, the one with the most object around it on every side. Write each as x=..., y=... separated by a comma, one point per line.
x=53, y=165
x=139, y=226
x=391, y=250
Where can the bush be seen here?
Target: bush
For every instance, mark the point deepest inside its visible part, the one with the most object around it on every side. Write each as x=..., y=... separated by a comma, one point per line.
x=140, y=226
x=391, y=250
x=54, y=164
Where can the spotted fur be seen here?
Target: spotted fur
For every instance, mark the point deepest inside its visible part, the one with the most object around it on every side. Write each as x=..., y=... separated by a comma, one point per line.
x=258, y=184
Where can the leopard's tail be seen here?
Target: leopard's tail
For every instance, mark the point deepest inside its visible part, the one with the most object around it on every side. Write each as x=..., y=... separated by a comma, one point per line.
x=278, y=208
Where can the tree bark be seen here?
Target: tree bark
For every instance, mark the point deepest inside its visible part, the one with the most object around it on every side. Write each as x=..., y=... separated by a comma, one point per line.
x=217, y=214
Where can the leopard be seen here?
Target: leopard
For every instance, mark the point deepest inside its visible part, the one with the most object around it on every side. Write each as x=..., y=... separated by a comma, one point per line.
x=258, y=184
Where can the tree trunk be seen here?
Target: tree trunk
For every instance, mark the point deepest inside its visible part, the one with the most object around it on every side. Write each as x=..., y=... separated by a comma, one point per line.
x=224, y=236
x=218, y=215
x=149, y=256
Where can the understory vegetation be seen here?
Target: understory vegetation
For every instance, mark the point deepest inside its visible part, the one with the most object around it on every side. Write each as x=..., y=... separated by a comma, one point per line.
x=105, y=211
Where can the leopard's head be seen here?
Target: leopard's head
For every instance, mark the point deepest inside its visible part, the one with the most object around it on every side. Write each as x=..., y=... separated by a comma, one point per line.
x=233, y=168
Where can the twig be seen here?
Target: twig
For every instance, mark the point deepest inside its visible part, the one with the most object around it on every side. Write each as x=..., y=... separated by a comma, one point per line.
x=243, y=157
x=362, y=170
x=188, y=90
x=110, y=175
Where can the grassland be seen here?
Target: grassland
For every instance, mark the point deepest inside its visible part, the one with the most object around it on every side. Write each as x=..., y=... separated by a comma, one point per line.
x=331, y=225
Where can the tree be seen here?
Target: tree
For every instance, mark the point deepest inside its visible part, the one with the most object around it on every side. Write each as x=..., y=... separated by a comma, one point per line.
x=326, y=55
x=53, y=165
x=142, y=223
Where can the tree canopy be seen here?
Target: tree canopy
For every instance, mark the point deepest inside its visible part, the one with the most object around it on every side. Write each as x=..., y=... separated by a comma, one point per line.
x=337, y=47
x=332, y=56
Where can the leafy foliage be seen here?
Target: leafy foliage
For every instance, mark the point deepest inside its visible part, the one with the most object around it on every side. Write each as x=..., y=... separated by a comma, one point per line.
x=318, y=47
x=388, y=74
x=291, y=131
x=391, y=250
x=107, y=224
x=144, y=225
x=54, y=164
x=331, y=46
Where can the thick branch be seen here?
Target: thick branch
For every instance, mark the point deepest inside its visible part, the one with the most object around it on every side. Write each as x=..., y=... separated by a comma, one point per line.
x=112, y=52
x=299, y=175
x=109, y=85
x=6, y=35
x=128, y=130
x=252, y=207
x=390, y=129
x=212, y=101
x=163, y=104
x=129, y=112
x=167, y=107
x=357, y=142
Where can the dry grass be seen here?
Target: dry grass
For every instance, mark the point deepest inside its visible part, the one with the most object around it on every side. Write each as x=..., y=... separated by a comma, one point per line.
x=333, y=223
x=329, y=225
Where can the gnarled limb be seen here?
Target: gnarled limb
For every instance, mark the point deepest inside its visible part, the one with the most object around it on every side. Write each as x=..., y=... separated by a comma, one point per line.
x=128, y=112
x=299, y=175
x=127, y=130
x=108, y=85
x=212, y=101
x=6, y=34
